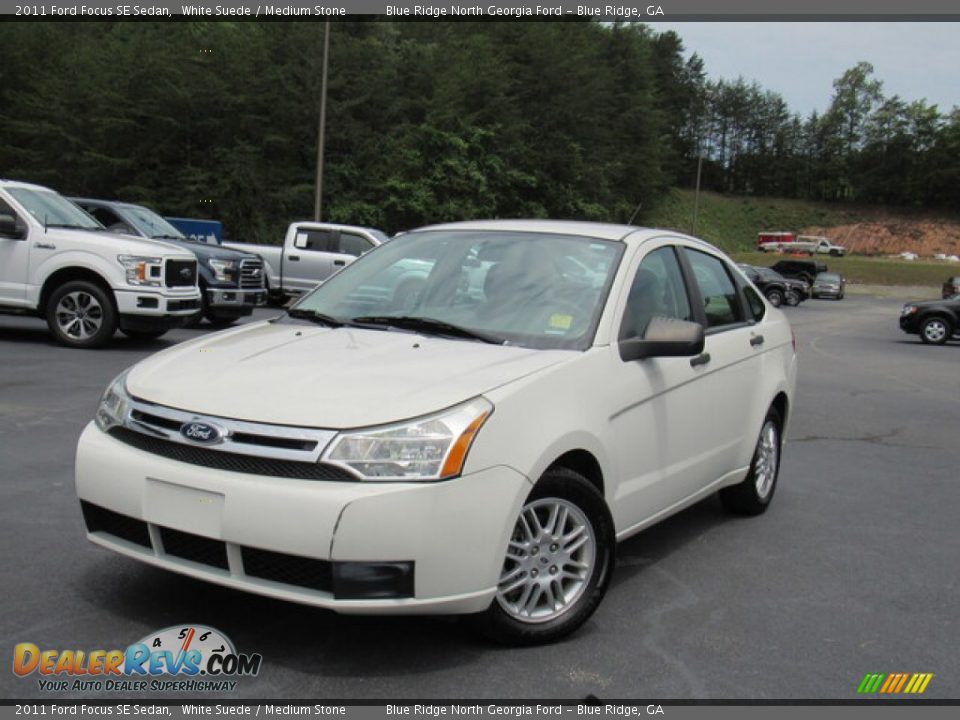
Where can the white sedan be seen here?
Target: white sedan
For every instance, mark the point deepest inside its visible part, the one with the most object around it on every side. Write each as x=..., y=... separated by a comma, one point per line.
x=477, y=446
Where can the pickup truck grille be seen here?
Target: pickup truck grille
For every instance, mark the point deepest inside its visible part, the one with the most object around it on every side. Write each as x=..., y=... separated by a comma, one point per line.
x=251, y=273
x=180, y=273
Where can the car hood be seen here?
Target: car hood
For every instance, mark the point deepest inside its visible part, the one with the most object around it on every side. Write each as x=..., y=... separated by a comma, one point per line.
x=122, y=244
x=952, y=303
x=204, y=251
x=311, y=376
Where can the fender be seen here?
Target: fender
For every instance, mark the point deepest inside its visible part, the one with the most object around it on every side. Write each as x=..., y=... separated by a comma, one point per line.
x=112, y=273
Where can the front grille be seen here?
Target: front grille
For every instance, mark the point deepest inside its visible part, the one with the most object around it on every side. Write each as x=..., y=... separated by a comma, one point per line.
x=195, y=548
x=288, y=569
x=251, y=274
x=180, y=273
x=232, y=462
x=100, y=519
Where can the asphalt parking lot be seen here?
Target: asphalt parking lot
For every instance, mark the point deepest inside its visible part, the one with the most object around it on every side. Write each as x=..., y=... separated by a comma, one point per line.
x=854, y=569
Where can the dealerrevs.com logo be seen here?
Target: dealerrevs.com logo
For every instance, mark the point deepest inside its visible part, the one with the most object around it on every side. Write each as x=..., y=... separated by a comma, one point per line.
x=184, y=658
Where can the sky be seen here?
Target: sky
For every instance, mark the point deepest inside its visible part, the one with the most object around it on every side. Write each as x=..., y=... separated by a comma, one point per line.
x=801, y=60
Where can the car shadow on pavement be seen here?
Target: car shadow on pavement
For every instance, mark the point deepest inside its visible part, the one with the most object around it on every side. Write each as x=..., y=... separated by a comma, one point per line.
x=297, y=637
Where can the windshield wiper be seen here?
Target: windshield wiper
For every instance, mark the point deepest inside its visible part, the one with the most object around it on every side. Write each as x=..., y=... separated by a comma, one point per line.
x=74, y=226
x=427, y=326
x=315, y=317
x=165, y=237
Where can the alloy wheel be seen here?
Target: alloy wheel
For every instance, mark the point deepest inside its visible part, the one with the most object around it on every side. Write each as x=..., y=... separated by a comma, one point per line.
x=79, y=315
x=768, y=451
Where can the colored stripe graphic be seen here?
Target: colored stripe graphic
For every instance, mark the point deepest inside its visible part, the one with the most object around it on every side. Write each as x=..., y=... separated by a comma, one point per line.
x=894, y=683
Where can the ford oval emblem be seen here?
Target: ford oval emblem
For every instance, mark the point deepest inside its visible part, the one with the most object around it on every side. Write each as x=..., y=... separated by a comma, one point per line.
x=201, y=432
x=186, y=273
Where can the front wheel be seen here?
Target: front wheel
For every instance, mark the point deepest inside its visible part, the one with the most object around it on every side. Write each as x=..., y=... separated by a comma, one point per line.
x=80, y=314
x=558, y=564
x=752, y=496
x=792, y=299
x=935, y=331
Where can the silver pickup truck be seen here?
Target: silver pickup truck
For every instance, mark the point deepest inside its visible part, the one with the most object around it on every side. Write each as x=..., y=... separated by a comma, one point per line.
x=311, y=252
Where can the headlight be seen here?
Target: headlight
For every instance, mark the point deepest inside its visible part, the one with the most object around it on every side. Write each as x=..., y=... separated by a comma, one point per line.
x=429, y=448
x=142, y=270
x=220, y=268
x=909, y=309
x=114, y=404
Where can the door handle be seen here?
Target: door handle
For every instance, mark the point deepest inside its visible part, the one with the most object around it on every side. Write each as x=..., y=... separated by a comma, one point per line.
x=756, y=340
x=339, y=263
x=45, y=246
x=701, y=359
x=294, y=258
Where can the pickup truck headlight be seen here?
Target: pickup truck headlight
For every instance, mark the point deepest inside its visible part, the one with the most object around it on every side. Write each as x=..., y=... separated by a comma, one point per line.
x=114, y=404
x=909, y=310
x=429, y=448
x=142, y=270
x=220, y=268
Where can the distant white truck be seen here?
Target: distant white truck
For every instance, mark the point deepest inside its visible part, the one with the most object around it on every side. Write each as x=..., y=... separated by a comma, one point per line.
x=311, y=252
x=788, y=242
x=60, y=264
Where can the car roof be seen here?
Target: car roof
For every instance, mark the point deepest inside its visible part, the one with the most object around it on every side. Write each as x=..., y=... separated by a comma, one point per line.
x=598, y=230
x=24, y=185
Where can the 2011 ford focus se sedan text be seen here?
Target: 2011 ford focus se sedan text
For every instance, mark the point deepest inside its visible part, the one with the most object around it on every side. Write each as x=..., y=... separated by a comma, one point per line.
x=465, y=420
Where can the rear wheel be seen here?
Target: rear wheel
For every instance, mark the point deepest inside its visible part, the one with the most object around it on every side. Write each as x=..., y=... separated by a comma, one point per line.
x=935, y=331
x=81, y=314
x=558, y=564
x=752, y=496
x=775, y=297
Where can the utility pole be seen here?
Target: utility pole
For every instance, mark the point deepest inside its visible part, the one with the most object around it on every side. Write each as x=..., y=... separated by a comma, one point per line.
x=318, y=201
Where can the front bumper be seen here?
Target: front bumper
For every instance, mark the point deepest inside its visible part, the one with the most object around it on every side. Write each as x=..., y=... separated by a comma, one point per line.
x=454, y=532
x=155, y=302
x=234, y=299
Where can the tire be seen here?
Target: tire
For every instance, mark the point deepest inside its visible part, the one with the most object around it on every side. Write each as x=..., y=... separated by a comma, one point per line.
x=220, y=321
x=792, y=298
x=753, y=494
x=511, y=618
x=775, y=297
x=81, y=314
x=935, y=330
x=144, y=334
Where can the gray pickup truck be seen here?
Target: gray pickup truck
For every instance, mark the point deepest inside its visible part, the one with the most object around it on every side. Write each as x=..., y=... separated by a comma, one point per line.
x=311, y=252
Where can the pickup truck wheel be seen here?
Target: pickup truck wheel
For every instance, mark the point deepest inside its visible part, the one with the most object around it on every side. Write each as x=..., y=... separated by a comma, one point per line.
x=792, y=298
x=935, y=331
x=752, y=496
x=220, y=321
x=81, y=314
x=775, y=297
x=558, y=564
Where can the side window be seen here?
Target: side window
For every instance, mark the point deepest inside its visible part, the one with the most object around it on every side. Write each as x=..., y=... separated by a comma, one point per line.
x=657, y=291
x=318, y=240
x=105, y=217
x=757, y=308
x=355, y=245
x=7, y=211
x=720, y=300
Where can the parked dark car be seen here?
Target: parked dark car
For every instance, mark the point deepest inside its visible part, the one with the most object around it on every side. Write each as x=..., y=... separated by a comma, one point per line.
x=806, y=270
x=231, y=282
x=828, y=285
x=935, y=321
x=951, y=287
x=777, y=289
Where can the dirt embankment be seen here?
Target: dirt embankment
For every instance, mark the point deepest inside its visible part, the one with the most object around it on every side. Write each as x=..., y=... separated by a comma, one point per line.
x=925, y=237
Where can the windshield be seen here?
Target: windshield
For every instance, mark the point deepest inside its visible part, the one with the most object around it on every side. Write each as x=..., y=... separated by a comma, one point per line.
x=770, y=274
x=519, y=288
x=828, y=277
x=151, y=224
x=53, y=210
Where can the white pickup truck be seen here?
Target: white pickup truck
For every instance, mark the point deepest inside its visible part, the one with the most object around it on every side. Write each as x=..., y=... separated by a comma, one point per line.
x=58, y=263
x=311, y=252
x=788, y=242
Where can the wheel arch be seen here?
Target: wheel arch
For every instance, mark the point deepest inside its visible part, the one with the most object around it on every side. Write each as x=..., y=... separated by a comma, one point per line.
x=584, y=463
x=70, y=274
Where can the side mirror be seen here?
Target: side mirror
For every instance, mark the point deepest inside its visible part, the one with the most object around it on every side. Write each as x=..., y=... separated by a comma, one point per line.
x=665, y=337
x=12, y=227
